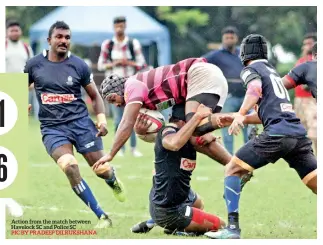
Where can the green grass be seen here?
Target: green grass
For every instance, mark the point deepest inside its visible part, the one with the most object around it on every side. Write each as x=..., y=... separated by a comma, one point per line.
x=275, y=204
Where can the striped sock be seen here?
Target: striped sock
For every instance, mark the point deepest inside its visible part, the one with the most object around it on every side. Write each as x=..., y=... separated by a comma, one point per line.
x=83, y=191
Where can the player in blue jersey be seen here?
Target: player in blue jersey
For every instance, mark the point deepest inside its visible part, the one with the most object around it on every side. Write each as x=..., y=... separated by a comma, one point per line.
x=304, y=74
x=283, y=136
x=58, y=77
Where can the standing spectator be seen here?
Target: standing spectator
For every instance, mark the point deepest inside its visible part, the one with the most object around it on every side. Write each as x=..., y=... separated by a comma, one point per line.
x=17, y=54
x=228, y=60
x=122, y=56
x=304, y=103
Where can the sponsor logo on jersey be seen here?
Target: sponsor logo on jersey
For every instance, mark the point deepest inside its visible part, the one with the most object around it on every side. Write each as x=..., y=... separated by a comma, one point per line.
x=286, y=107
x=54, y=99
x=188, y=164
x=69, y=81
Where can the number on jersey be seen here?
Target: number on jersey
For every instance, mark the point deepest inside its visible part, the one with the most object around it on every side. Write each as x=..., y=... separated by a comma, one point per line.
x=279, y=88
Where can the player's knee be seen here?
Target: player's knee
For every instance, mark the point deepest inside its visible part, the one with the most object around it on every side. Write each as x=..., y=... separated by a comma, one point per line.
x=232, y=168
x=103, y=171
x=204, y=127
x=67, y=162
x=310, y=180
x=199, y=204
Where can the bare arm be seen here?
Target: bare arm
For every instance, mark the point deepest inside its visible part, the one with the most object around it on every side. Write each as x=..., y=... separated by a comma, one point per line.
x=252, y=118
x=125, y=128
x=97, y=101
x=287, y=83
x=174, y=142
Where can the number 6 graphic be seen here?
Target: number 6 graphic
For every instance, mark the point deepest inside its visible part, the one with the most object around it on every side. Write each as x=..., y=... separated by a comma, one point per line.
x=3, y=168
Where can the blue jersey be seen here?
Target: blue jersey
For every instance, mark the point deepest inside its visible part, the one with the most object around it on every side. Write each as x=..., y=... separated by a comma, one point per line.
x=275, y=109
x=171, y=183
x=58, y=88
x=305, y=73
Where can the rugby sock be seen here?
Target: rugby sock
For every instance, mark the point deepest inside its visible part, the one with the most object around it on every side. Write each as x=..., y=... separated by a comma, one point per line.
x=232, y=195
x=84, y=192
x=112, y=179
x=200, y=217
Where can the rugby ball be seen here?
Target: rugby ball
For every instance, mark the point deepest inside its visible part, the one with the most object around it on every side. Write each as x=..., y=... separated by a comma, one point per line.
x=158, y=121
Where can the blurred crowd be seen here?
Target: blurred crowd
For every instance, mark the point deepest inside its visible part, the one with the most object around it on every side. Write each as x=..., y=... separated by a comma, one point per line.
x=123, y=56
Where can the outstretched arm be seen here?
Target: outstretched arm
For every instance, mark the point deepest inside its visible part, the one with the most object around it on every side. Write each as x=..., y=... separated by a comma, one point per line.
x=125, y=127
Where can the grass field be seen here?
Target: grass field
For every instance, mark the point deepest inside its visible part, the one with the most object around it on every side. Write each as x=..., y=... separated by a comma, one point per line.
x=275, y=204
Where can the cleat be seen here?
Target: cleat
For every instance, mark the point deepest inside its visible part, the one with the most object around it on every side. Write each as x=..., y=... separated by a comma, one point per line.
x=118, y=190
x=226, y=233
x=143, y=227
x=104, y=222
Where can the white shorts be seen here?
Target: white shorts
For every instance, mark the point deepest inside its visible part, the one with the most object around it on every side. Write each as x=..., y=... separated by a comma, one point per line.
x=206, y=78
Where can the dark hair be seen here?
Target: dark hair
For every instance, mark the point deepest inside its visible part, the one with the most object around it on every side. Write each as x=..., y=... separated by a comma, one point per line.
x=314, y=49
x=311, y=35
x=119, y=19
x=58, y=25
x=229, y=29
x=12, y=23
x=173, y=120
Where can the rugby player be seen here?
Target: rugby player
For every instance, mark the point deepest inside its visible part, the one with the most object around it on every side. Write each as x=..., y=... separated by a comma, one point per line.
x=283, y=136
x=173, y=204
x=58, y=77
x=191, y=81
x=305, y=73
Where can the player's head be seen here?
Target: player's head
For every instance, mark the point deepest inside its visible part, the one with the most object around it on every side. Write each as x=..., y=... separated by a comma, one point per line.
x=13, y=30
x=59, y=38
x=119, y=25
x=229, y=37
x=314, y=51
x=112, y=89
x=178, y=115
x=308, y=42
x=253, y=47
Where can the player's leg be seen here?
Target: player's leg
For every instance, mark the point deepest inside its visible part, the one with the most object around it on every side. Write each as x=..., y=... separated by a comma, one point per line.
x=91, y=147
x=201, y=221
x=214, y=150
x=205, y=85
x=304, y=162
x=244, y=162
x=65, y=159
x=107, y=173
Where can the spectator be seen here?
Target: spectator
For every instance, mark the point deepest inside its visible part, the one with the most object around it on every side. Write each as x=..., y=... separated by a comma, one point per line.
x=121, y=55
x=304, y=103
x=17, y=54
x=228, y=60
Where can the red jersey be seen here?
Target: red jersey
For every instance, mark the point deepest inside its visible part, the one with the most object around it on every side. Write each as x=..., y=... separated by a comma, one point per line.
x=161, y=87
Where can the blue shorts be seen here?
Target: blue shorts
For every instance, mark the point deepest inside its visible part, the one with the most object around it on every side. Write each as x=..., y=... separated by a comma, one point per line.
x=80, y=133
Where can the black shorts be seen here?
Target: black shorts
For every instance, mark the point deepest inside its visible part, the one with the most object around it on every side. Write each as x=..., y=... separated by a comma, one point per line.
x=264, y=149
x=174, y=218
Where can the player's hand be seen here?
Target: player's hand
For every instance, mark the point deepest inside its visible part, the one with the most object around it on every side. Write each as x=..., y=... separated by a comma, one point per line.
x=236, y=124
x=203, y=111
x=103, y=129
x=142, y=124
x=102, y=161
x=225, y=120
x=29, y=108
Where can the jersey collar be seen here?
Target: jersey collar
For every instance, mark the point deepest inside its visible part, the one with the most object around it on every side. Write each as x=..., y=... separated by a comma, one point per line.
x=45, y=53
x=261, y=60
